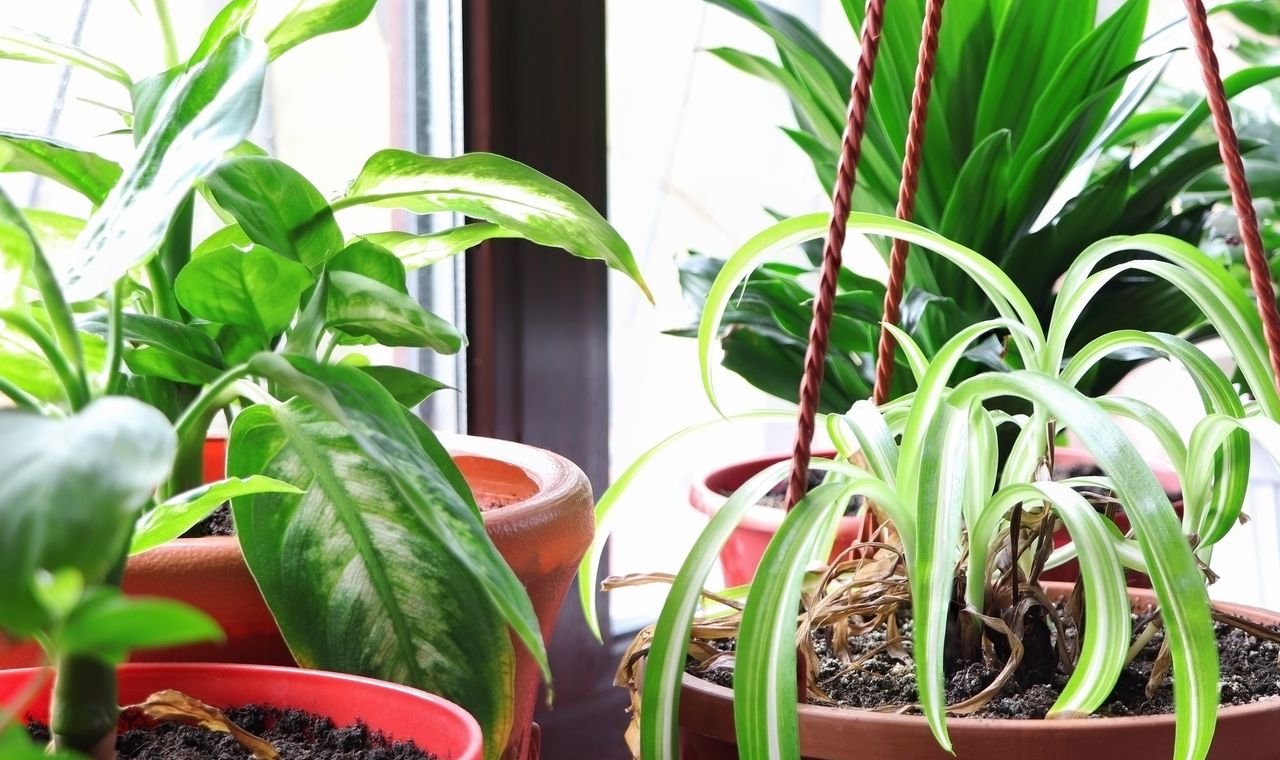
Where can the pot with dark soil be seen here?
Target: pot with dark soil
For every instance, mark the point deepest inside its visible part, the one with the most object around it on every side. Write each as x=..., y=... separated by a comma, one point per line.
x=298, y=714
x=867, y=693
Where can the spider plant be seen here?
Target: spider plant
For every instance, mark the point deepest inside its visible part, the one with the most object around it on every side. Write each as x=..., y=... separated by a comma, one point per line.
x=935, y=472
x=1081, y=154
x=325, y=451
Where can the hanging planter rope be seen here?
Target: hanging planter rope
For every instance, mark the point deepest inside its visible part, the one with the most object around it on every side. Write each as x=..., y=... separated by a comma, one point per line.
x=832, y=255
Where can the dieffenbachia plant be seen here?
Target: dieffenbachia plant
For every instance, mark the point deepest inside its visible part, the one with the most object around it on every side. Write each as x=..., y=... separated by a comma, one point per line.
x=931, y=464
x=1083, y=153
x=365, y=540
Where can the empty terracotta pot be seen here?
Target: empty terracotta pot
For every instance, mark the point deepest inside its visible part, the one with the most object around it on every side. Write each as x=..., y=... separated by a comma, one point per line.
x=537, y=508
x=742, y=552
x=826, y=733
x=431, y=722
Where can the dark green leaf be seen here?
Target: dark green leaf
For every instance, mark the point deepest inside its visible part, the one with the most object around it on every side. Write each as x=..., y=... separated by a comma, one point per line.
x=87, y=173
x=977, y=199
x=406, y=386
x=254, y=289
x=278, y=208
x=211, y=109
x=172, y=337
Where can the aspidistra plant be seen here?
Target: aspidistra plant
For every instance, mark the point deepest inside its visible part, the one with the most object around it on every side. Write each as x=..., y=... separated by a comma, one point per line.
x=347, y=507
x=934, y=470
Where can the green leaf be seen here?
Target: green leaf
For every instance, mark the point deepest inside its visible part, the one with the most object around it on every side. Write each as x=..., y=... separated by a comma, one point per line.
x=87, y=173
x=497, y=190
x=765, y=693
x=108, y=624
x=312, y=18
x=1032, y=42
x=184, y=342
x=417, y=251
x=206, y=113
x=278, y=208
x=177, y=515
x=426, y=477
x=371, y=260
x=68, y=479
x=21, y=45
x=16, y=744
x=231, y=235
x=255, y=289
x=406, y=386
x=230, y=21
x=977, y=198
x=361, y=306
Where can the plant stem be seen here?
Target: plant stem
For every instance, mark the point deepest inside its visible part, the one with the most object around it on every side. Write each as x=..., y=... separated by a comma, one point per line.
x=85, y=706
x=19, y=397
x=171, y=57
x=214, y=396
x=174, y=253
x=115, y=338
x=74, y=382
x=163, y=302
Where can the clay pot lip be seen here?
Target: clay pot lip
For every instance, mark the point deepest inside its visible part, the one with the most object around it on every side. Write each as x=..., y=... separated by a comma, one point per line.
x=708, y=500
x=706, y=692
x=558, y=480
x=297, y=678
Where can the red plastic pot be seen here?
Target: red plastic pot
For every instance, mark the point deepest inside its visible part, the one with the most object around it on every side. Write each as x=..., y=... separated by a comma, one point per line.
x=826, y=733
x=742, y=552
x=433, y=723
x=537, y=509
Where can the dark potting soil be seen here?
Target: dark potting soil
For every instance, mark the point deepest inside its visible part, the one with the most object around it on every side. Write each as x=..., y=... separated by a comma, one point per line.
x=217, y=524
x=1250, y=672
x=296, y=735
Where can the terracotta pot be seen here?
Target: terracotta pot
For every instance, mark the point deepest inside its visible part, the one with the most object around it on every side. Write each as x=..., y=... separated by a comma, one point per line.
x=742, y=552
x=826, y=733
x=399, y=712
x=537, y=509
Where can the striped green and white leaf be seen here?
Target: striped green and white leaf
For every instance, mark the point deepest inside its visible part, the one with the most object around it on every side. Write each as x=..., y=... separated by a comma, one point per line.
x=312, y=18
x=356, y=581
x=497, y=190
x=22, y=45
x=206, y=113
x=417, y=251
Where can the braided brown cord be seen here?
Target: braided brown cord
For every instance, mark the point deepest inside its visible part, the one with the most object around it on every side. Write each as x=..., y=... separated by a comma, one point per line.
x=925, y=66
x=832, y=254
x=1241, y=195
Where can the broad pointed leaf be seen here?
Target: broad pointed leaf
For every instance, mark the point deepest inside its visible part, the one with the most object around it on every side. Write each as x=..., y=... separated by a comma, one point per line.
x=178, y=515
x=497, y=190
x=67, y=479
x=255, y=289
x=278, y=208
x=87, y=173
x=205, y=114
x=363, y=307
x=312, y=18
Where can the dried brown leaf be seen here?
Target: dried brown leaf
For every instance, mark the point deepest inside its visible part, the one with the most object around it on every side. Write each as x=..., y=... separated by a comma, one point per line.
x=171, y=706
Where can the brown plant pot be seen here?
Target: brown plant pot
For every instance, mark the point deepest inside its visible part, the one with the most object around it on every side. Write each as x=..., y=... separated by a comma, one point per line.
x=538, y=510
x=827, y=733
x=742, y=552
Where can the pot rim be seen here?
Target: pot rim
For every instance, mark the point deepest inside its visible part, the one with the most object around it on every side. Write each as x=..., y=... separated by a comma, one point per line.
x=705, y=691
x=474, y=741
x=708, y=500
x=556, y=480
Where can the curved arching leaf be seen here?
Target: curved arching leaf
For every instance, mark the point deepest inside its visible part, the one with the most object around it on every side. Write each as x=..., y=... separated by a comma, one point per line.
x=357, y=583
x=87, y=173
